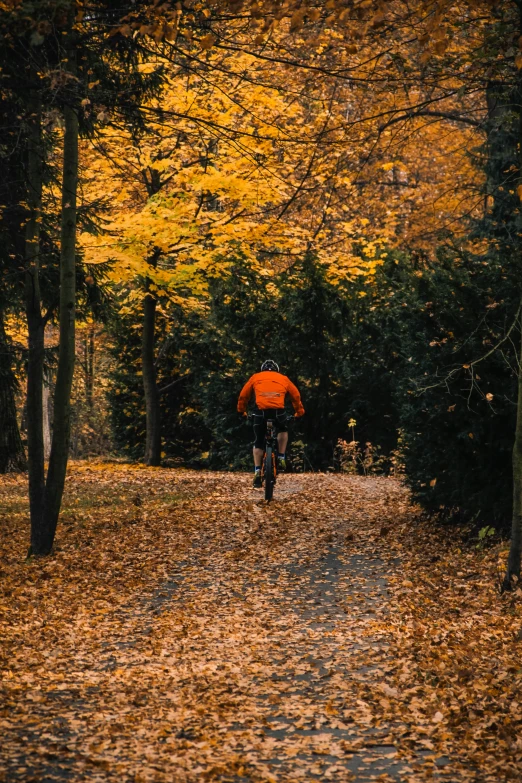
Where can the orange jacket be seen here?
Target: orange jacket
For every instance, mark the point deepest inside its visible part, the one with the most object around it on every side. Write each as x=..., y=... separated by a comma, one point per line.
x=270, y=389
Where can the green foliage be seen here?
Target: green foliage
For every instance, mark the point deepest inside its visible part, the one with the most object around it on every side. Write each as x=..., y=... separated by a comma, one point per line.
x=308, y=324
x=485, y=533
x=457, y=417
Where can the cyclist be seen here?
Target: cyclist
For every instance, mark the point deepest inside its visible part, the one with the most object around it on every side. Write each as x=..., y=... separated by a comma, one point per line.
x=270, y=388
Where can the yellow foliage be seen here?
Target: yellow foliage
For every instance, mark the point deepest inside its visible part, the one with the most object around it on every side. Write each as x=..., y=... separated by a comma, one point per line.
x=243, y=156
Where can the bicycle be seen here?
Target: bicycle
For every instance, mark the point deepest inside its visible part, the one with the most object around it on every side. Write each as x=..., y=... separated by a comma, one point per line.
x=269, y=464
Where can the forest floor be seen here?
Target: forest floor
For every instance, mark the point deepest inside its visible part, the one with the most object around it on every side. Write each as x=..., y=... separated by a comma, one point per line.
x=183, y=630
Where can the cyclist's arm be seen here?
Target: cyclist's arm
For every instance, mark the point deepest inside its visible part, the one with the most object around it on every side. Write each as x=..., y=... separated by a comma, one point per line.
x=296, y=398
x=244, y=397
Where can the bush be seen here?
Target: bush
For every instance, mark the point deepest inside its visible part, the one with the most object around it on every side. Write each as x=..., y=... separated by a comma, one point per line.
x=457, y=418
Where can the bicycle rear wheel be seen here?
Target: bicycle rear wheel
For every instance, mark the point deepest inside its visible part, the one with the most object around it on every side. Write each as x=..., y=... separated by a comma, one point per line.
x=269, y=473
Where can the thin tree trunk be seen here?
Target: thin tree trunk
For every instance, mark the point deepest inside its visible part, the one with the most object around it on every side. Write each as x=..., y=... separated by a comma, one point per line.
x=512, y=575
x=12, y=454
x=62, y=394
x=35, y=443
x=46, y=422
x=152, y=400
x=513, y=566
x=35, y=325
x=89, y=367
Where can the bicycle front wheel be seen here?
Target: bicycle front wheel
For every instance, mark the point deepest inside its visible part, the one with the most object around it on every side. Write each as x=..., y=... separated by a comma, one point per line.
x=269, y=473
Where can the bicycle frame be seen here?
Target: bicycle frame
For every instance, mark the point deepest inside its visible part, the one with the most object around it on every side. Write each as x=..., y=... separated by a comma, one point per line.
x=269, y=463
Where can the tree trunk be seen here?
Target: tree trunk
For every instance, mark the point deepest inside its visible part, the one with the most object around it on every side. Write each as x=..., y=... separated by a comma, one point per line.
x=513, y=567
x=46, y=421
x=66, y=355
x=12, y=454
x=35, y=442
x=35, y=325
x=89, y=367
x=152, y=403
x=512, y=575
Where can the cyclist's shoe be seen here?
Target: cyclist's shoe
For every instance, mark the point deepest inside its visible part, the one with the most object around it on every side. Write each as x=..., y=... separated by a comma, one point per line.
x=281, y=463
x=257, y=480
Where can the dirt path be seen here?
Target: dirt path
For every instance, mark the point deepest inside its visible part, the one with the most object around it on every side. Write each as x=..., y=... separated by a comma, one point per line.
x=227, y=641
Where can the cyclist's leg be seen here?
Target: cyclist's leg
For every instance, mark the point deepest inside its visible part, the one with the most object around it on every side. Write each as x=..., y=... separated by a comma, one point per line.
x=259, y=447
x=282, y=442
x=260, y=434
x=282, y=439
x=282, y=432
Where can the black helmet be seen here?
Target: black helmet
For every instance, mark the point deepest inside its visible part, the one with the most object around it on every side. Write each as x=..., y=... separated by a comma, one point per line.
x=269, y=365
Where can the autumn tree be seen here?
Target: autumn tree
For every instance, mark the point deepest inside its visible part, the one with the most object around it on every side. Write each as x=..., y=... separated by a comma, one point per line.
x=64, y=79
x=222, y=170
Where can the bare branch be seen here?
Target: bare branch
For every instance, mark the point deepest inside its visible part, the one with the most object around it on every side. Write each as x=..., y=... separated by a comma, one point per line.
x=170, y=385
x=444, y=115
x=471, y=365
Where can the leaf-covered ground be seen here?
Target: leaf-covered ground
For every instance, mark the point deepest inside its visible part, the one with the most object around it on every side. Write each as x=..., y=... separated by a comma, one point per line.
x=185, y=631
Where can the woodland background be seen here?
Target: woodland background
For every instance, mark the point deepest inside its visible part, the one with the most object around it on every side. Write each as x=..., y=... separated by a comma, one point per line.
x=334, y=185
